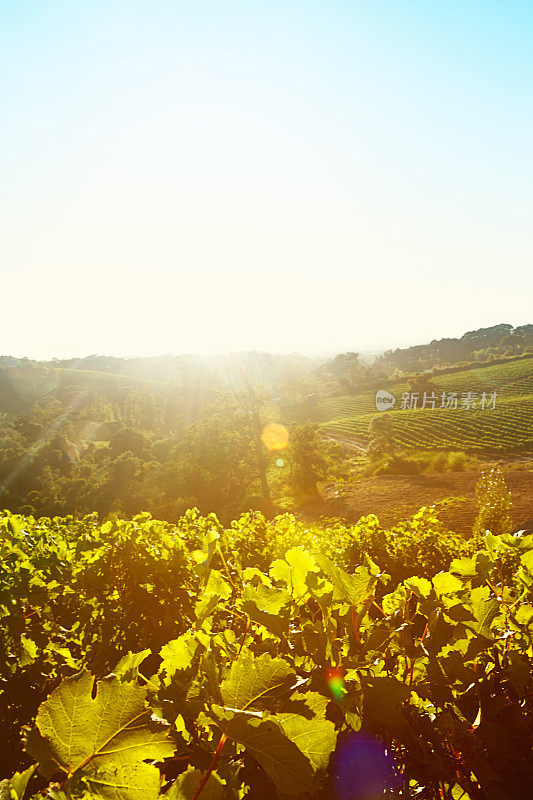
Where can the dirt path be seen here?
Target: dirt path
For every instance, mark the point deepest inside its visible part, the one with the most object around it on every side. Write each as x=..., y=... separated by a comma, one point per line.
x=351, y=444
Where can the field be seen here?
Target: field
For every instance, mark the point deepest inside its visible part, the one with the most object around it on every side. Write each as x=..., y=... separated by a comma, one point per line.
x=506, y=428
x=394, y=497
x=144, y=660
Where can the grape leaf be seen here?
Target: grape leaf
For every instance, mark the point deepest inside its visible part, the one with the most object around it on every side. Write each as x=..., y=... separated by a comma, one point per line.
x=382, y=709
x=306, y=704
x=215, y=590
x=420, y=586
x=15, y=787
x=186, y=785
x=28, y=651
x=316, y=738
x=127, y=668
x=100, y=739
x=347, y=588
x=252, y=681
x=293, y=570
x=178, y=654
x=132, y=781
x=266, y=599
x=446, y=583
x=283, y=761
x=484, y=610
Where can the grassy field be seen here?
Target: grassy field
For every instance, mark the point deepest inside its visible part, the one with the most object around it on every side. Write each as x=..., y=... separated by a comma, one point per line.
x=506, y=428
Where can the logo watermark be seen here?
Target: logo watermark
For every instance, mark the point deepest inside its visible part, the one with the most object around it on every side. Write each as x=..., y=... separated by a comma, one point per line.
x=451, y=401
x=384, y=400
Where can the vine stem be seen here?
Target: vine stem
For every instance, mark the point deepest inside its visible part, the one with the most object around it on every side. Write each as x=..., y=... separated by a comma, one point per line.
x=211, y=766
x=355, y=626
x=223, y=737
x=221, y=554
x=244, y=637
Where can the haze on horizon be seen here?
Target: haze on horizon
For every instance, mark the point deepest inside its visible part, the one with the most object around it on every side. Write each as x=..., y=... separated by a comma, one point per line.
x=218, y=176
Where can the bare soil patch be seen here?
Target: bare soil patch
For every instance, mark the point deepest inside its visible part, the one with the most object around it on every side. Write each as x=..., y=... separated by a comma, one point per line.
x=394, y=498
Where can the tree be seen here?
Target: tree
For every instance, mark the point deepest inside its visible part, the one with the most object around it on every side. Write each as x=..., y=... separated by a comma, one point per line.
x=252, y=401
x=493, y=503
x=307, y=459
x=346, y=369
x=422, y=383
x=381, y=435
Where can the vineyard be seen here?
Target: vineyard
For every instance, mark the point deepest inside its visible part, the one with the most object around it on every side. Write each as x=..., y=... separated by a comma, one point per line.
x=140, y=659
x=506, y=428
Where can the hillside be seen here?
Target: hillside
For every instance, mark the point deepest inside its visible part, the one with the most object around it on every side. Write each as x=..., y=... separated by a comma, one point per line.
x=21, y=386
x=508, y=427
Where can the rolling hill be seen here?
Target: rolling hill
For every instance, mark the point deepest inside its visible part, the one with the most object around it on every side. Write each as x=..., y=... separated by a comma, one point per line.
x=508, y=427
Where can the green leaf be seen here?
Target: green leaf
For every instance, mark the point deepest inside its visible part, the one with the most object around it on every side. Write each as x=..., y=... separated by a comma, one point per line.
x=395, y=600
x=382, y=709
x=352, y=589
x=484, y=609
x=178, y=654
x=446, y=583
x=14, y=788
x=283, y=761
x=250, y=573
x=216, y=589
x=527, y=561
x=217, y=585
x=519, y=672
x=131, y=781
x=465, y=567
x=252, y=681
x=265, y=598
x=102, y=739
x=186, y=785
x=315, y=737
x=458, y=793
x=28, y=652
x=263, y=604
x=293, y=571
x=127, y=668
x=206, y=555
x=419, y=586
x=307, y=704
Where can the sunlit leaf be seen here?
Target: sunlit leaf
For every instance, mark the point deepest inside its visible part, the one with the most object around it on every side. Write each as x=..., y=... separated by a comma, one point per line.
x=252, y=682
x=100, y=740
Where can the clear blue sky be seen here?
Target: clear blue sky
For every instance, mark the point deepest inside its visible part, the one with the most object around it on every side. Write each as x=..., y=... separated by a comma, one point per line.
x=315, y=176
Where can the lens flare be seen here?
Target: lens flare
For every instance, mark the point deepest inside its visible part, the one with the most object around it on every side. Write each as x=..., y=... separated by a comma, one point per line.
x=335, y=679
x=280, y=462
x=275, y=436
x=364, y=768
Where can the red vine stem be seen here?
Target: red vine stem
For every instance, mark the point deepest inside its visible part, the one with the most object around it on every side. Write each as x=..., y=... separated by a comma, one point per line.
x=244, y=637
x=211, y=766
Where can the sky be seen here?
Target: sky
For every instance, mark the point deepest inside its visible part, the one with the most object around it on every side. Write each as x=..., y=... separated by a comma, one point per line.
x=315, y=176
